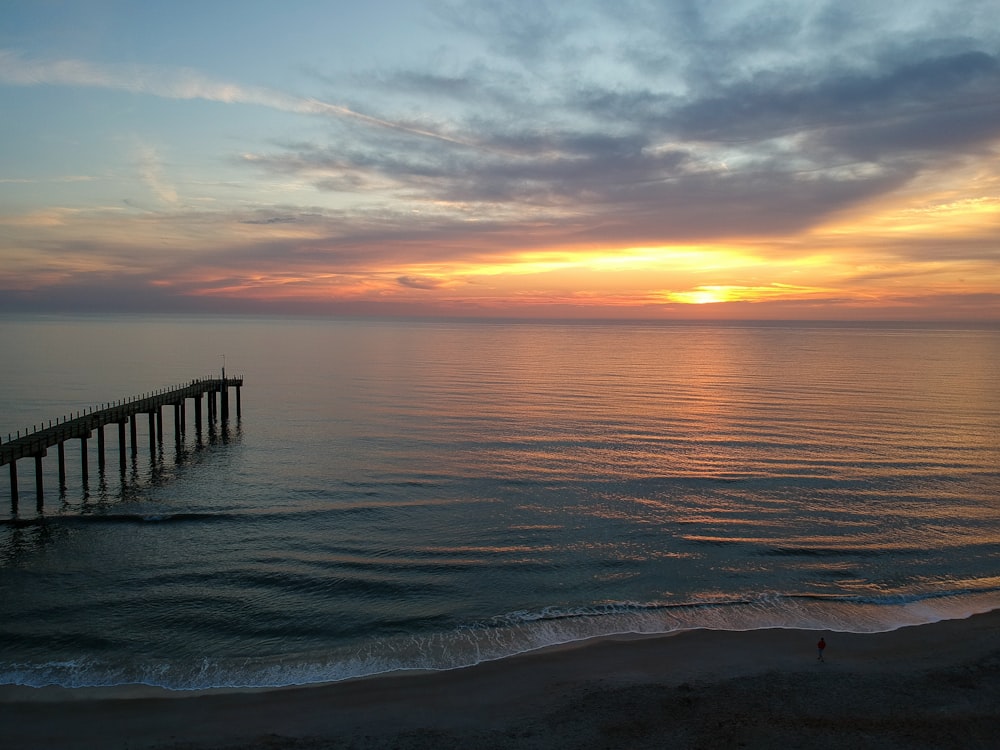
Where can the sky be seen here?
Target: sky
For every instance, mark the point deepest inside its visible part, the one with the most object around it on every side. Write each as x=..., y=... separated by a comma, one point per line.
x=671, y=159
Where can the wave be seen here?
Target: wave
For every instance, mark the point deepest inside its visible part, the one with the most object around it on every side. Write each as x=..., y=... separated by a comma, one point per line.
x=116, y=518
x=853, y=551
x=509, y=635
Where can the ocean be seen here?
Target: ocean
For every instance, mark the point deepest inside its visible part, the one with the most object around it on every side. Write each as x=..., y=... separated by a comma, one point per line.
x=423, y=494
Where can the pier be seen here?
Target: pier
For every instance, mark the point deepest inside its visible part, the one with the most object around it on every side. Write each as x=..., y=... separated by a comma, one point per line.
x=36, y=443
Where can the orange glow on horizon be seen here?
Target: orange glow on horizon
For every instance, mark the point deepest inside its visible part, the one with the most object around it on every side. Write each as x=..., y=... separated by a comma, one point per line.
x=884, y=255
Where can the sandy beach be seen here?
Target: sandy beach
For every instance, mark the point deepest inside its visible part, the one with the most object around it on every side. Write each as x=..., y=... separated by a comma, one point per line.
x=930, y=686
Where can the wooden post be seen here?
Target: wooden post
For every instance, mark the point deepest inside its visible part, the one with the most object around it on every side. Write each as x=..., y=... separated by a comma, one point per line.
x=13, y=485
x=135, y=447
x=100, y=449
x=152, y=434
x=197, y=414
x=39, y=490
x=61, y=460
x=83, y=459
x=121, y=446
x=238, y=411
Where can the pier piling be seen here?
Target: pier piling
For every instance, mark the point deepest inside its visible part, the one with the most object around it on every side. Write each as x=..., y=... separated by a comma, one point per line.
x=83, y=458
x=100, y=450
x=152, y=433
x=61, y=458
x=178, y=429
x=121, y=446
x=13, y=486
x=39, y=490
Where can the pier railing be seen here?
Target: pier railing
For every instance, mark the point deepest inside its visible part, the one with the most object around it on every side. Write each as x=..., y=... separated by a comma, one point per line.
x=36, y=442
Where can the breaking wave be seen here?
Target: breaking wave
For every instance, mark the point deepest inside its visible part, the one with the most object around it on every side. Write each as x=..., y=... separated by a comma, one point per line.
x=509, y=635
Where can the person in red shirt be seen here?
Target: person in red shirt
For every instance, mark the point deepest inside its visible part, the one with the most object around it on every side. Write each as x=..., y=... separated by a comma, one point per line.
x=819, y=647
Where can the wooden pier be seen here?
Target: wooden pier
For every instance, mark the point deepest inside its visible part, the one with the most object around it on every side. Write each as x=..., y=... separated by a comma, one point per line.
x=123, y=413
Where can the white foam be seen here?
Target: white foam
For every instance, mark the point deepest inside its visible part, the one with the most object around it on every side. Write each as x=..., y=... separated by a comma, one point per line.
x=509, y=635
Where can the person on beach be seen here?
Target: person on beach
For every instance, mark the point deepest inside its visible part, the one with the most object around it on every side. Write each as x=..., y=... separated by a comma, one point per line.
x=819, y=647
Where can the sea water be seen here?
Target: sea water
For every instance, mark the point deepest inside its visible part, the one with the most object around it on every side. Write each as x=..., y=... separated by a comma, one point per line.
x=432, y=494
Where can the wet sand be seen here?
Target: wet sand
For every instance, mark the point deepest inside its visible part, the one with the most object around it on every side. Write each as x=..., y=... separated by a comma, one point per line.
x=930, y=686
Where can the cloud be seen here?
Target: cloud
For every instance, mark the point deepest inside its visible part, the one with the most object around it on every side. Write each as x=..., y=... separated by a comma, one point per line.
x=520, y=29
x=271, y=220
x=611, y=188
x=863, y=116
x=151, y=171
x=178, y=83
x=46, y=180
x=414, y=282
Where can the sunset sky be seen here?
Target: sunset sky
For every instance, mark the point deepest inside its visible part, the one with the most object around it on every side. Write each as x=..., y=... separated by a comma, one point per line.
x=661, y=159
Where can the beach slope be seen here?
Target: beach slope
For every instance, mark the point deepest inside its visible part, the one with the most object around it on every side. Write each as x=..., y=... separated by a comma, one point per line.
x=929, y=686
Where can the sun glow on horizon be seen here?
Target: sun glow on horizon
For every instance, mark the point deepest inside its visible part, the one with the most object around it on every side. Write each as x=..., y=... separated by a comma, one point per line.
x=713, y=294
x=542, y=260
x=703, y=295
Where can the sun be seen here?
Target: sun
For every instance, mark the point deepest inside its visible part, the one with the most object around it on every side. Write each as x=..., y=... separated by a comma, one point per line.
x=703, y=295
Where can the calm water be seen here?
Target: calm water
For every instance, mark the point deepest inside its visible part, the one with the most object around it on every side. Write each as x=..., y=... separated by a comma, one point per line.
x=431, y=494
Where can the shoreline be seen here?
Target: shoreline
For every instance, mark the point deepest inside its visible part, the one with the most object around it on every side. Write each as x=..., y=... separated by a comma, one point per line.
x=701, y=688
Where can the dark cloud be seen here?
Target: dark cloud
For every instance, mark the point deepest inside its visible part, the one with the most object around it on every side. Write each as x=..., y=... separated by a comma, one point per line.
x=611, y=185
x=272, y=220
x=524, y=30
x=869, y=115
x=945, y=131
x=461, y=88
x=418, y=282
